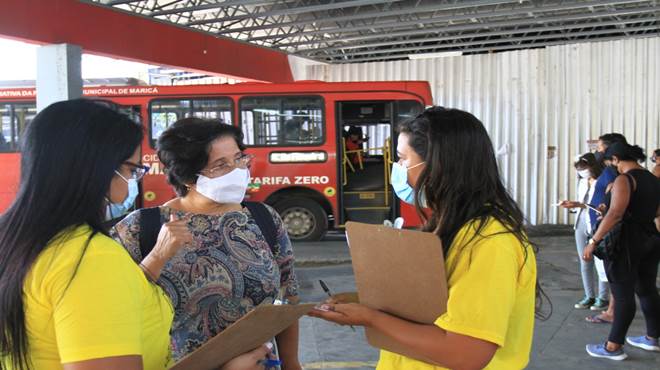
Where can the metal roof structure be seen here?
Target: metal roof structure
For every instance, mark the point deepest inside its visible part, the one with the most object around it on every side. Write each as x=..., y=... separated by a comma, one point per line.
x=352, y=31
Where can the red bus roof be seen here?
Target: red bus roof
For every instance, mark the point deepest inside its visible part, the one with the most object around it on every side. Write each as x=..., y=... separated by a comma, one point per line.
x=420, y=88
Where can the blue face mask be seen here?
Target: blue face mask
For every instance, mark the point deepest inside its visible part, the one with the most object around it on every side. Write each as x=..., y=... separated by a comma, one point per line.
x=115, y=210
x=600, y=156
x=402, y=188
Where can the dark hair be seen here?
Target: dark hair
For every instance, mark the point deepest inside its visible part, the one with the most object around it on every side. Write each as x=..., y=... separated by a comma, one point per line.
x=355, y=130
x=588, y=161
x=625, y=152
x=656, y=152
x=460, y=181
x=70, y=152
x=611, y=138
x=184, y=148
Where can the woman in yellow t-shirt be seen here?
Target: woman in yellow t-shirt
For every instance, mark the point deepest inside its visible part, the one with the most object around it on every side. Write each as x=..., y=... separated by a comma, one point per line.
x=447, y=164
x=71, y=297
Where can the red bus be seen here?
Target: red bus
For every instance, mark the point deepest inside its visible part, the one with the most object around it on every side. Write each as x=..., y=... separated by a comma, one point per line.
x=296, y=132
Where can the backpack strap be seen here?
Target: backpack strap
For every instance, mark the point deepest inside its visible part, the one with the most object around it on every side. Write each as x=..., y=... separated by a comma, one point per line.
x=149, y=228
x=264, y=220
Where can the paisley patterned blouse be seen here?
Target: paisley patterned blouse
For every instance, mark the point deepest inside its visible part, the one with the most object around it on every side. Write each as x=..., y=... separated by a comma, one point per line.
x=229, y=270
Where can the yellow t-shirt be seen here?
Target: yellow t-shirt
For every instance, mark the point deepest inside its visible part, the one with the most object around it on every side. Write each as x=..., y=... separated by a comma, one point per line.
x=491, y=297
x=98, y=306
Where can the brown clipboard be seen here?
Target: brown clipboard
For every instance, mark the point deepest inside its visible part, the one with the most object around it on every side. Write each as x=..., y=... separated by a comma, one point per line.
x=401, y=272
x=246, y=334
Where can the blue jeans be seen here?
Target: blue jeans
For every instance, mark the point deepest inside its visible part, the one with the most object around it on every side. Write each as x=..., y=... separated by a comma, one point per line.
x=587, y=268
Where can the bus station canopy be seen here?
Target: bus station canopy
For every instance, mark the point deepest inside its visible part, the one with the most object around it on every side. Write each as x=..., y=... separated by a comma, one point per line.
x=349, y=31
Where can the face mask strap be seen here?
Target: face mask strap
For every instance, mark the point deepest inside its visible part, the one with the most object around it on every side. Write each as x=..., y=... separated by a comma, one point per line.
x=417, y=165
x=122, y=176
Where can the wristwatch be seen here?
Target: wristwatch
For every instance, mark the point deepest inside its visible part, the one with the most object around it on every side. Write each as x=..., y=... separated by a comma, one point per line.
x=594, y=241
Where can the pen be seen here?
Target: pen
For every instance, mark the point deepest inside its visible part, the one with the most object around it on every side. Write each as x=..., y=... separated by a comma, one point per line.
x=325, y=288
x=327, y=291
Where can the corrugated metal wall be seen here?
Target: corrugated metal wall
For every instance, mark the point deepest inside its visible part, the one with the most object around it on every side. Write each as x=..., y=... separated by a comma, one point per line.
x=534, y=101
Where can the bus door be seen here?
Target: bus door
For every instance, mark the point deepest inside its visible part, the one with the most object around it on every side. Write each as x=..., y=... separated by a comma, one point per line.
x=366, y=151
x=365, y=136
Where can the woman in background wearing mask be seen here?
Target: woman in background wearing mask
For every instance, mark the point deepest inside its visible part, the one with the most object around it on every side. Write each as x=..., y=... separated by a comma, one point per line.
x=588, y=170
x=634, y=201
x=447, y=163
x=227, y=268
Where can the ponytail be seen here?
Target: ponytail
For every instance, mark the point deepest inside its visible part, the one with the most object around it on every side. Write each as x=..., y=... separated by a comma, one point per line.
x=636, y=153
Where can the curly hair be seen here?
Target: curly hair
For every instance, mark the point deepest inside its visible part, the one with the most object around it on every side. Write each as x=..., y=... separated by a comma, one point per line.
x=184, y=147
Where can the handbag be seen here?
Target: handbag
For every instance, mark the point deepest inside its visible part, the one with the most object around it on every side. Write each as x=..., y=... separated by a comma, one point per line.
x=610, y=246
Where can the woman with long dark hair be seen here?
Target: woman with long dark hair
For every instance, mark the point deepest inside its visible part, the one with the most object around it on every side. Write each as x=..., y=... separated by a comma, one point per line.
x=446, y=160
x=70, y=296
x=634, y=203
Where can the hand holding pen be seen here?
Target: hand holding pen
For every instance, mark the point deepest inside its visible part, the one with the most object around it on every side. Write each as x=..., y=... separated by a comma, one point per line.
x=327, y=291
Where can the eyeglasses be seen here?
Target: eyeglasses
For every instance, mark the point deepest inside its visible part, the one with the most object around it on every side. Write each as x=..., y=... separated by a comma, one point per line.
x=137, y=170
x=242, y=162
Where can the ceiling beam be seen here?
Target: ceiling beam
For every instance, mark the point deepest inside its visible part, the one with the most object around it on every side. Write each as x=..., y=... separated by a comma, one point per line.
x=389, y=13
x=476, y=26
x=311, y=52
x=493, y=48
x=453, y=17
x=295, y=10
x=221, y=5
x=120, y=2
x=453, y=47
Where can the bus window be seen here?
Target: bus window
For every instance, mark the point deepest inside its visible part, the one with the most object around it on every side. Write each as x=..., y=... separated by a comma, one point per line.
x=282, y=121
x=213, y=109
x=165, y=112
x=15, y=116
x=132, y=111
x=407, y=109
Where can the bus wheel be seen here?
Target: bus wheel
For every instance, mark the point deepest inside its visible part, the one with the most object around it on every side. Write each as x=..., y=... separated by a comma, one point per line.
x=304, y=219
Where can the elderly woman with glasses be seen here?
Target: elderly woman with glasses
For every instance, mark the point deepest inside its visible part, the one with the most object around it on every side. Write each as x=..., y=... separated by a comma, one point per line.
x=229, y=264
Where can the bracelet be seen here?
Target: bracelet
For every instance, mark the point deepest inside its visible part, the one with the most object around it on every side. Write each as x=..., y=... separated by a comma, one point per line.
x=147, y=273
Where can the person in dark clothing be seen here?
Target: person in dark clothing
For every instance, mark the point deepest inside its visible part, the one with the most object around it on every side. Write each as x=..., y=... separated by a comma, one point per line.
x=601, y=188
x=607, y=176
x=635, y=202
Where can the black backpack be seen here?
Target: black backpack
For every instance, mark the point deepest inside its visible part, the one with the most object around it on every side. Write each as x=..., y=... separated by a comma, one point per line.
x=150, y=225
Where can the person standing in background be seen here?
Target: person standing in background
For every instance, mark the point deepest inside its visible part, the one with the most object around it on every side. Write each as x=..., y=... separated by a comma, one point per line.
x=656, y=168
x=655, y=158
x=601, y=188
x=588, y=170
x=632, y=266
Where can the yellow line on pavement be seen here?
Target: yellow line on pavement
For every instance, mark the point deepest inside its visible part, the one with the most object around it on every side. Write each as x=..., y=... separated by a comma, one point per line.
x=339, y=365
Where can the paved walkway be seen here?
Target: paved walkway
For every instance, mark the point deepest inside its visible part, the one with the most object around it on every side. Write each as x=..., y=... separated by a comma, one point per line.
x=558, y=343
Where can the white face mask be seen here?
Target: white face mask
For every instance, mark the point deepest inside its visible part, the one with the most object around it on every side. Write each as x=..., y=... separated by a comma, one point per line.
x=585, y=174
x=229, y=188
